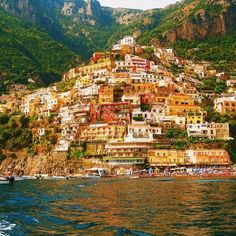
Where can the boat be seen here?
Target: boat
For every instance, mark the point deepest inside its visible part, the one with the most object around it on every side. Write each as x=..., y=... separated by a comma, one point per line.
x=7, y=180
x=58, y=177
x=94, y=173
x=20, y=178
x=29, y=177
x=87, y=176
x=134, y=177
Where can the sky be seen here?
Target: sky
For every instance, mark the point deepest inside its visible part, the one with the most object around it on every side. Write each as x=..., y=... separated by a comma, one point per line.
x=138, y=4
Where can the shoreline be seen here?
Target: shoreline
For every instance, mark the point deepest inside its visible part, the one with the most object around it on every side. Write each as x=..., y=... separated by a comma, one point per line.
x=160, y=177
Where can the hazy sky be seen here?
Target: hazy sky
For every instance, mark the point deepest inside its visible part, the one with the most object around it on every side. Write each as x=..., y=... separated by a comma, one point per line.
x=139, y=4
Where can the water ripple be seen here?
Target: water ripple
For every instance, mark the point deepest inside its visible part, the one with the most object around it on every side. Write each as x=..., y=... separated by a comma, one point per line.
x=113, y=207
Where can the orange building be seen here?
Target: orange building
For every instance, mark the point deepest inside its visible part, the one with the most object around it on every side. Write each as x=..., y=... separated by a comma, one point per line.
x=136, y=89
x=181, y=105
x=106, y=94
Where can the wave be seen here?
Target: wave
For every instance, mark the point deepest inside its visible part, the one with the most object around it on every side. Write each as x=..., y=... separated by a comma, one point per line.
x=6, y=228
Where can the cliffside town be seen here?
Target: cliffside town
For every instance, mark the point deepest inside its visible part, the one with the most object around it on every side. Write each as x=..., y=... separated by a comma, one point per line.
x=132, y=107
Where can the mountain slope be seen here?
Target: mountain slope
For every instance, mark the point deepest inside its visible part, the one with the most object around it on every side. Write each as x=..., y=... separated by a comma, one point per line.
x=28, y=52
x=42, y=38
x=187, y=20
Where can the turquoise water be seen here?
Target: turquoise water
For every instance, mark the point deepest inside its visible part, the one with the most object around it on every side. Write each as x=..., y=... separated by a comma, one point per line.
x=119, y=207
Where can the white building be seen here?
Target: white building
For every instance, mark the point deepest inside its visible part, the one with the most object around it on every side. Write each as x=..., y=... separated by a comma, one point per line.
x=90, y=90
x=128, y=40
x=209, y=130
x=142, y=133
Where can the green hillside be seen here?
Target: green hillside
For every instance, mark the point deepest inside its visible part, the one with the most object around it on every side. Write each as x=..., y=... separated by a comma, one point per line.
x=220, y=50
x=28, y=52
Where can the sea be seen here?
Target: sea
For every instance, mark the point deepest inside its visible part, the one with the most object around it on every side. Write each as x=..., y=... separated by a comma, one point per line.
x=122, y=206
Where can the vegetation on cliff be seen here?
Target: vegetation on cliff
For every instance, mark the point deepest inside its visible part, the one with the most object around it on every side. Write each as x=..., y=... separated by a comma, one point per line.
x=29, y=53
x=221, y=50
x=15, y=133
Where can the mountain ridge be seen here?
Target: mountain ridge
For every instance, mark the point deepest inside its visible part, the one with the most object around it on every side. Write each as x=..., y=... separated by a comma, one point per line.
x=82, y=27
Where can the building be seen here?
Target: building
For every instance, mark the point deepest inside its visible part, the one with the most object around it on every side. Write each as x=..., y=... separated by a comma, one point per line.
x=181, y=105
x=142, y=133
x=126, y=154
x=209, y=130
x=166, y=157
x=90, y=91
x=128, y=40
x=195, y=118
x=102, y=132
x=69, y=131
x=225, y=105
x=210, y=157
x=101, y=68
x=137, y=89
x=118, y=112
x=106, y=94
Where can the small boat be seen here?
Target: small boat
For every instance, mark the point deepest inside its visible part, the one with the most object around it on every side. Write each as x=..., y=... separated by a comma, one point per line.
x=29, y=177
x=134, y=177
x=58, y=177
x=20, y=178
x=6, y=180
x=91, y=177
x=94, y=173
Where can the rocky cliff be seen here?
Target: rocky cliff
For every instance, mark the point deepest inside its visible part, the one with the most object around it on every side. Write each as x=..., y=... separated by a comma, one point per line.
x=186, y=20
x=216, y=18
x=54, y=165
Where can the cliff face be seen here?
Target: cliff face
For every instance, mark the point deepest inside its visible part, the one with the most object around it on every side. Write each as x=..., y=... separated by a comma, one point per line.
x=198, y=29
x=186, y=20
x=204, y=24
x=54, y=165
x=31, y=8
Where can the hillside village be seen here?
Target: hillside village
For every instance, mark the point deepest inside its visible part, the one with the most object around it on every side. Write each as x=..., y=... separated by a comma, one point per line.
x=133, y=107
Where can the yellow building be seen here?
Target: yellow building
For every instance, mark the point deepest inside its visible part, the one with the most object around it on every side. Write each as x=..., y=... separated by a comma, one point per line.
x=195, y=118
x=89, y=69
x=165, y=157
x=82, y=82
x=102, y=132
x=182, y=110
x=208, y=157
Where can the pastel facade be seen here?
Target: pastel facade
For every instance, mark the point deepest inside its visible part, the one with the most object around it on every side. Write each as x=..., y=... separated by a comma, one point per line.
x=128, y=40
x=137, y=89
x=166, y=157
x=90, y=91
x=209, y=130
x=97, y=69
x=195, y=118
x=122, y=153
x=225, y=105
x=142, y=133
x=111, y=112
x=208, y=157
x=106, y=94
x=101, y=132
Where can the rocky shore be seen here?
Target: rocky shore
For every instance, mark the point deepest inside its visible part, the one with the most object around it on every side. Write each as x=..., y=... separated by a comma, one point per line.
x=25, y=164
